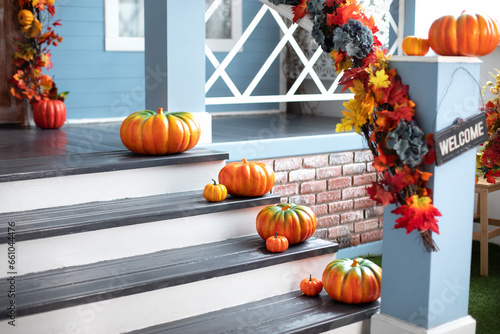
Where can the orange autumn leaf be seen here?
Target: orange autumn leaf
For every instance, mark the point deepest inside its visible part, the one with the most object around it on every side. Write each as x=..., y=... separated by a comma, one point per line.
x=417, y=214
x=299, y=11
x=379, y=194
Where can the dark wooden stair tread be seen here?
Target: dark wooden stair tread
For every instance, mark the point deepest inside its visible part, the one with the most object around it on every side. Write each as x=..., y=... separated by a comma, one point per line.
x=60, y=288
x=50, y=222
x=288, y=313
x=13, y=169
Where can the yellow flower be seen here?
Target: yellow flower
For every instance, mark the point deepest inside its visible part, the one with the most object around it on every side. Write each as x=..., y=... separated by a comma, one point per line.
x=357, y=114
x=380, y=79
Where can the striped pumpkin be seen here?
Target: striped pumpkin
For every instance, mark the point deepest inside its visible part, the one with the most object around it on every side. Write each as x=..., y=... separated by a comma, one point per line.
x=243, y=178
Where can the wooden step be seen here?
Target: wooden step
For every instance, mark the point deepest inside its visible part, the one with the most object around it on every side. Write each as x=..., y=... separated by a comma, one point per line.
x=78, y=234
x=35, y=183
x=291, y=312
x=140, y=291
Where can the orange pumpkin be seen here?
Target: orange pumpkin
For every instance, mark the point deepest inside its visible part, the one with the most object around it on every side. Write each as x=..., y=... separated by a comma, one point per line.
x=311, y=286
x=214, y=192
x=470, y=35
x=150, y=133
x=25, y=17
x=353, y=281
x=277, y=243
x=295, y=222
x=415, y=46
x=247, y=178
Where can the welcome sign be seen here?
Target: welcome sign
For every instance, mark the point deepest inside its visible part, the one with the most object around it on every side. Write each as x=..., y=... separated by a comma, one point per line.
x=460, y=137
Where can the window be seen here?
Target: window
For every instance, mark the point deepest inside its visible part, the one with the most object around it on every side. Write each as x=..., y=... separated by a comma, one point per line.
x=124, y=24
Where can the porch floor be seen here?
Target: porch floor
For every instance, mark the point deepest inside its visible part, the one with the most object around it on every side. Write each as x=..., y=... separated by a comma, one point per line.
x=17, y=142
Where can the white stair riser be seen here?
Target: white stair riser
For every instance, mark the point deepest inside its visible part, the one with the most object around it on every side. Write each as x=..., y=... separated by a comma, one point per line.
x=114, y=243
x=178, y=302
x=93, y=187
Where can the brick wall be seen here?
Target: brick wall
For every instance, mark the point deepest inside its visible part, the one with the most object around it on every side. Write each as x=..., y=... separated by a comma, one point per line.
x=333, y=186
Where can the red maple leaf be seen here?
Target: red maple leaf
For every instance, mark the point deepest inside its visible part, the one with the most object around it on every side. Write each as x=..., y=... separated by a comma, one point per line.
x=300, y=10
x=397, y=92
x=396, y=182
x=378, y=194
x=418, y=213
x=350, y=75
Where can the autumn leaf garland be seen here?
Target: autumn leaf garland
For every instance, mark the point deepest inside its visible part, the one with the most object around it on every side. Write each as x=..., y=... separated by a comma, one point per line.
x=380, y=111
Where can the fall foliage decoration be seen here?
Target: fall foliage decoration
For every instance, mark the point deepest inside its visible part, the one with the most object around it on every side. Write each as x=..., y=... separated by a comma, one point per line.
x=470, y=35
x=353, y=281
x=415, y=46
x=214, y=192
x=244, y=178
x=158, y=133
x=295, y=222
x=381, y=111
x=488, y=160
x=277, y=243
x=32, y=52
x=311, y=286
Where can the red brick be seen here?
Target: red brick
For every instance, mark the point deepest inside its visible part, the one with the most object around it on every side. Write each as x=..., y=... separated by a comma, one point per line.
x=363, y=203
x=328, y=172
x=364, y=179
x=312, y=187
x=339, y=182
x=328, y=221
x=353, y=192
x=269, y=162
x=316, y=161
x=363, y=156
x=366, y=225
x=370, y=168
x=320, y=233
x=328, y=196
x=319, y=210
x=341, y=158
x=284, y=164
x=351, y=169
x=302, y=199
x=285, y=189
x=340, y=206
x=371, y=236
x=374, y=211
x=338, y=231
x=355, y=239
x=302, y=175
x=280, y=177
x=351, y=216
x=381, y=222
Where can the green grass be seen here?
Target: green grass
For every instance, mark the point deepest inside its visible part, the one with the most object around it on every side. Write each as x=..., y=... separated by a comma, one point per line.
x=484, y=296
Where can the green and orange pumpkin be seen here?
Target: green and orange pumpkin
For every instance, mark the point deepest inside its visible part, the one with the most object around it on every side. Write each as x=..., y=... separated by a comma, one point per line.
x=243, y=178
x=159, y=133
x=295, y=222
x=353, y=281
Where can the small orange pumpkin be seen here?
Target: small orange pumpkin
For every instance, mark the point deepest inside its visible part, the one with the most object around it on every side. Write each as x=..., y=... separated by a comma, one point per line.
x=277, y=243
x=471, y=35
x=311, y=286
x=214, y=192
x=415, y=46
x=49, y=114
x=25, y=17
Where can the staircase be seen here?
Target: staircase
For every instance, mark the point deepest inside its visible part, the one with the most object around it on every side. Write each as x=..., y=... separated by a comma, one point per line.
x=118, y=243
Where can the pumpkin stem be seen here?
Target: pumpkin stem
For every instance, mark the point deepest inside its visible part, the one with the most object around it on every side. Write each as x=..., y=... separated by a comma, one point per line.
x=276, y=235
x=286, y=207
x=244, y=161
x=354, y=263
x=160, y=110
x=310, y=277
x=215, y=182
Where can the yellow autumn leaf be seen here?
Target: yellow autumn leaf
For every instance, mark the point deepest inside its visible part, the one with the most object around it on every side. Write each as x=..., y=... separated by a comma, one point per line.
x=380, y=79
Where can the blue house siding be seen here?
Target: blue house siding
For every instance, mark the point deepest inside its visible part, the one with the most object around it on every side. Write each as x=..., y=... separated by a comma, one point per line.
x=111, y=84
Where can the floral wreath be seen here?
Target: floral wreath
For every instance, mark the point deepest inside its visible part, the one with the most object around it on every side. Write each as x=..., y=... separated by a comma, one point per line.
x=380, y=111
x=31, y=52
x=489, y=158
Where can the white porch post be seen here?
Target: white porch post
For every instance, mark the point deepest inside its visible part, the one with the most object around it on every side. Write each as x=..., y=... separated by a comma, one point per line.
x=175, y=58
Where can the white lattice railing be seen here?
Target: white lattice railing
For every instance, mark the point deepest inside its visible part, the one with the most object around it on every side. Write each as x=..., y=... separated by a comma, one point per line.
x=306, y=63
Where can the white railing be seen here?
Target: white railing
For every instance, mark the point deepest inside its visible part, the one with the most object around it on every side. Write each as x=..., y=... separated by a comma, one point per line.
x=307, y=62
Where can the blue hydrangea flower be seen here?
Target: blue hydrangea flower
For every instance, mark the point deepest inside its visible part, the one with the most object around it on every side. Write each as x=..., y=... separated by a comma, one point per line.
x=353, y=38
x=408, y=140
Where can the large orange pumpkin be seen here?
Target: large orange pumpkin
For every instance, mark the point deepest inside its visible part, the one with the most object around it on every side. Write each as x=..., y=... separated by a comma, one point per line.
x=243, y=178
x=49, y=114
x=470, y=35
x=415, y=46
x=150, y=133
x=297, y=223
x=353, y=281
